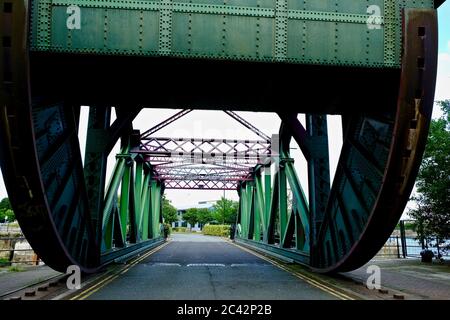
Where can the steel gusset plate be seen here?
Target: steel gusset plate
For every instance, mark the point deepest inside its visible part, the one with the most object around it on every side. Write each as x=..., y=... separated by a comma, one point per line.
x=380, y=158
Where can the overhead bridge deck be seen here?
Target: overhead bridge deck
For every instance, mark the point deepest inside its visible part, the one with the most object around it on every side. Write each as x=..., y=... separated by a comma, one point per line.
x=372, y=63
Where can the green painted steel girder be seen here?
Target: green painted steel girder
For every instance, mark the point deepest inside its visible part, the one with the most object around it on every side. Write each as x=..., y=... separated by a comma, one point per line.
x=344, y=32
x=267, y=208
x=137, y=216
x=318, y=170
x=95, y=165
x=145, y=208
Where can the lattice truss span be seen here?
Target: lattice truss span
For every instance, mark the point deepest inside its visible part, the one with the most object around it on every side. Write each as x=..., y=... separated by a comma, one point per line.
x=212, y=164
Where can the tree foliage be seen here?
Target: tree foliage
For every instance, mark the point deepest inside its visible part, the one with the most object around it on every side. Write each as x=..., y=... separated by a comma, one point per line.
x=225, y=211
x=191, y=216
x=169, y=211
x=200, y=215
x=433, y=181
x=6, y=210
x=204, y=216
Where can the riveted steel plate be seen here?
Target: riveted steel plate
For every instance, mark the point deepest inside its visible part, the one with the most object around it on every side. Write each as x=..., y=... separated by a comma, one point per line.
x=324, y=32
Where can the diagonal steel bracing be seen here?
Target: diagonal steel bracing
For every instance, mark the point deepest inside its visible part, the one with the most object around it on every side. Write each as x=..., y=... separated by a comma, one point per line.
x=183, y=163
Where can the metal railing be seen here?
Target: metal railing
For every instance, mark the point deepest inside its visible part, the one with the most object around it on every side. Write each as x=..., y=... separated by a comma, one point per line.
x=402, y=246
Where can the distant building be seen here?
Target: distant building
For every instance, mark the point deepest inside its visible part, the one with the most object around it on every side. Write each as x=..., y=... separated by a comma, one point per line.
x=182, y=210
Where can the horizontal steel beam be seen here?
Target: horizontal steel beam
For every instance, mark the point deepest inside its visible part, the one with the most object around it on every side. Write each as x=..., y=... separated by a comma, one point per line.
x=227, y=161
x=131, y=249
x=203, y=185
x=204, y=178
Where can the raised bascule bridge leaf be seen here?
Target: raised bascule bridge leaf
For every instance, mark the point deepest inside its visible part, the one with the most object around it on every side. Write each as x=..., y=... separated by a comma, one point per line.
x=374, y=64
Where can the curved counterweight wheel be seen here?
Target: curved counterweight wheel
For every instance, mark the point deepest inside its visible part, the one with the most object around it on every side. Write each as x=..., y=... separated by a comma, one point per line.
x=380, y=158
x=40, y=159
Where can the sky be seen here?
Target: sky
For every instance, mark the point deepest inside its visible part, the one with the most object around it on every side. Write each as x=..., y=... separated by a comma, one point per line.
x=216, y=124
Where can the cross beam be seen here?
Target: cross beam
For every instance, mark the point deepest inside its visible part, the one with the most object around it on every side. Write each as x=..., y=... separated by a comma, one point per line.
x=201, y=185
x=210, y=164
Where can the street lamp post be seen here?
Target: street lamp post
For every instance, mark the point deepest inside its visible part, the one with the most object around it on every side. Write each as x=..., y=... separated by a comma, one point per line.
x=223, y=216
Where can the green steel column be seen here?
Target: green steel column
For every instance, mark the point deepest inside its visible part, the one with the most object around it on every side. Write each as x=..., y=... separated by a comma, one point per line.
x=243, y=207
x=113, y=187
x=239, y=215
x=135, y=188
x=318, y=171
x=282, y=198
x=145, y=207
x=125, y=198
x=256, y=217
x=267, y=199
x=108, y=230
x=301, y=207
x=274, y=203
x=246, y=210
x=260, y=223
x=158, y=216
x=251, y=210
x=95, y=165
x=133, y=213
x=110, y=205
x=138, y=189
x=155, y=201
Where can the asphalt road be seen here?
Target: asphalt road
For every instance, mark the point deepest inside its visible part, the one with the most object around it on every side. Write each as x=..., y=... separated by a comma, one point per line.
x=194, y=266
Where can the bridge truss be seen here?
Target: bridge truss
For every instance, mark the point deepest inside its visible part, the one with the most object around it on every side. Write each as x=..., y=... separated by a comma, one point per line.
x=183, y=163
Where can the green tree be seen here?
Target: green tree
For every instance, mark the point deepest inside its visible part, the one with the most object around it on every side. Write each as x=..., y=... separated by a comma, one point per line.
x=191, y=216
x=225, y=211
x=433, y=181
x=204, y=216
x=6, y=210
x=169, y=211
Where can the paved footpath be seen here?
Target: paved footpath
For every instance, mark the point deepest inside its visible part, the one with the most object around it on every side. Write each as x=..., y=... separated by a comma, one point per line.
x=194, y=266
x=10, y=281
x=415, y=279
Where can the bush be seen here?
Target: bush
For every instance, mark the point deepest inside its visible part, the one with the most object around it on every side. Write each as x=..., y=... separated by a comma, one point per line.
x=217, y=230
x=179, y=229
x=167, y=230
x=4, y=262
x=15, y=269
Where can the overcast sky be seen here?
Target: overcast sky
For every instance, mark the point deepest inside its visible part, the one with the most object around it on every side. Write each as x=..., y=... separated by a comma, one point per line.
x=216, y=124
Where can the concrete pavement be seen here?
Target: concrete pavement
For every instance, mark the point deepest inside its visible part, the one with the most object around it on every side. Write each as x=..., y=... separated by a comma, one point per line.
x=413, y=278
x=10, y=281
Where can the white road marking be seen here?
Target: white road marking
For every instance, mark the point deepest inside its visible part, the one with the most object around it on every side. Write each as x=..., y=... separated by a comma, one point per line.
x=206, y=265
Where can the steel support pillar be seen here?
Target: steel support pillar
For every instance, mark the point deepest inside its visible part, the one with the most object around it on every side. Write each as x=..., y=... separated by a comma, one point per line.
x=95, y=165
x=318, y=172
